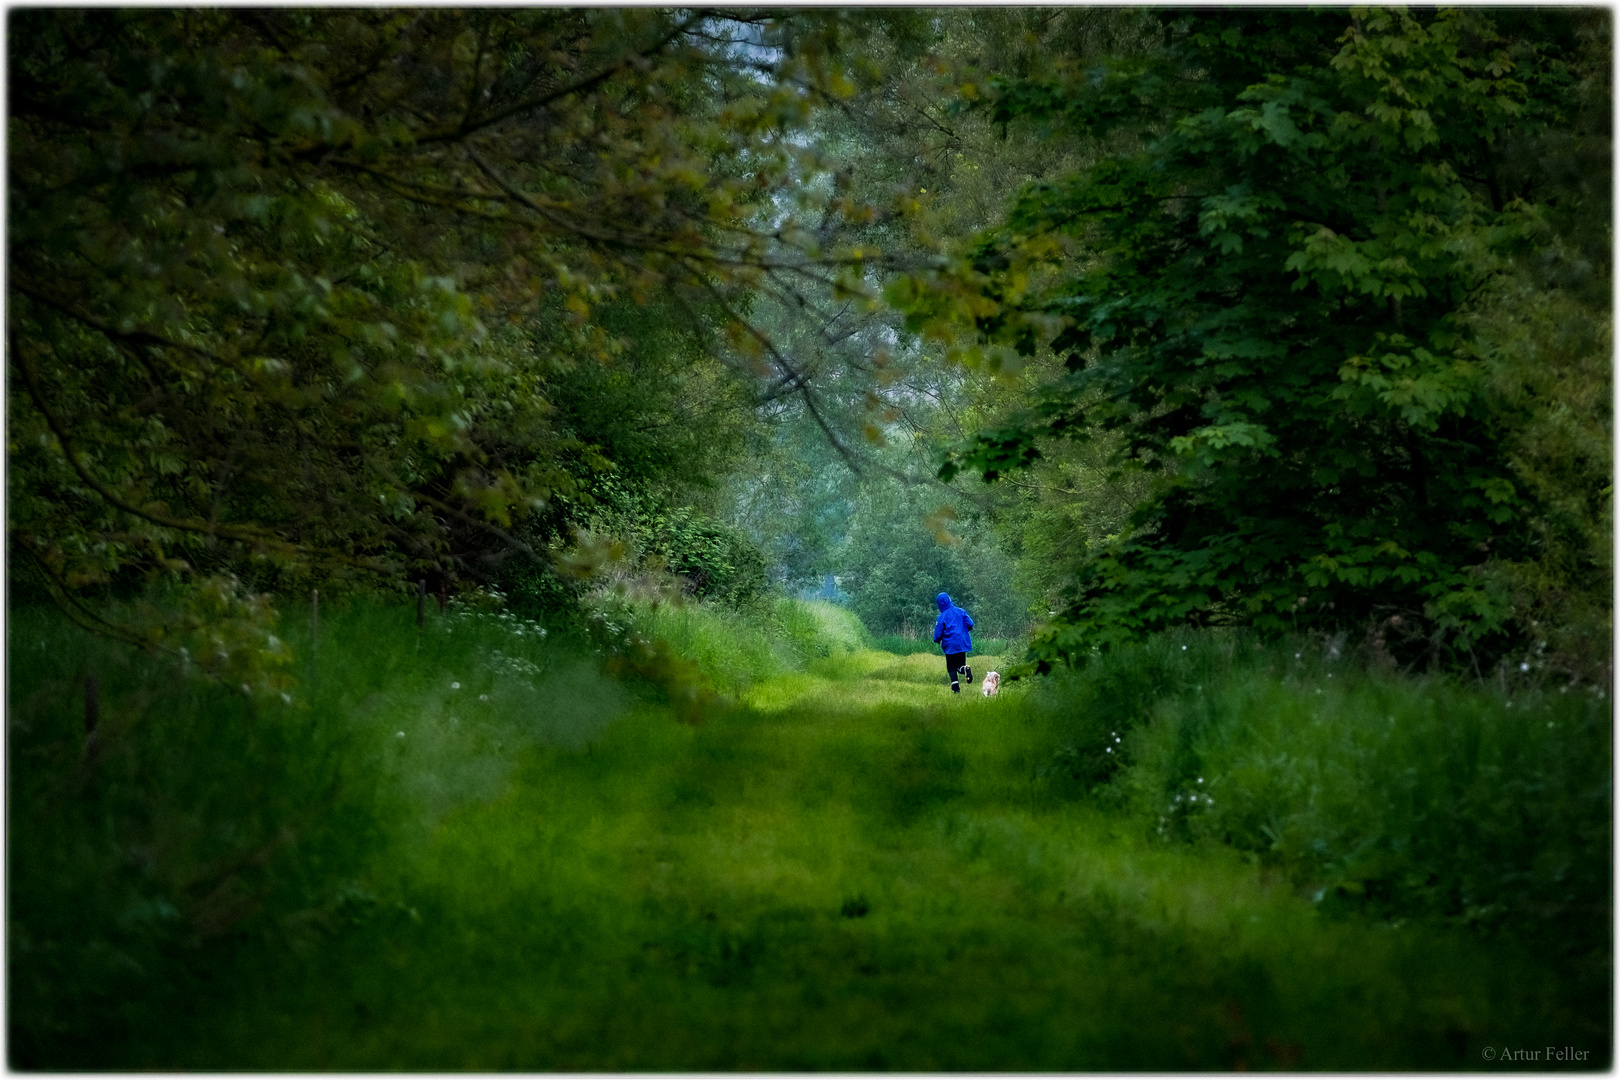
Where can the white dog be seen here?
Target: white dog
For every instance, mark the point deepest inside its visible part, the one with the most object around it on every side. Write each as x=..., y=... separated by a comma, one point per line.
x=992, y=684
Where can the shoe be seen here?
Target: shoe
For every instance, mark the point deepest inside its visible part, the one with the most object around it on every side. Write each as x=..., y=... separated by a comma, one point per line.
x=955, y=687
x=967, y=674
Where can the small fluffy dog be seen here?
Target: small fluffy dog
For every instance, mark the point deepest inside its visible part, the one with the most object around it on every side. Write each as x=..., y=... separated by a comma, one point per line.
x=992, y=684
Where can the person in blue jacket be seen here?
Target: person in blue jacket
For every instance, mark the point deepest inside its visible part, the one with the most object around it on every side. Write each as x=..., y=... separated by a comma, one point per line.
x=951, y=631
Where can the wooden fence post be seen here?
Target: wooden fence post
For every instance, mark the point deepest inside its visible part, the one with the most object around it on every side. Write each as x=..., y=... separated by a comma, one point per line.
x=421, y=602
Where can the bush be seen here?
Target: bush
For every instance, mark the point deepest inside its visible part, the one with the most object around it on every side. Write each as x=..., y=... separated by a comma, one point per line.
x=720, y=563
x=714, y=561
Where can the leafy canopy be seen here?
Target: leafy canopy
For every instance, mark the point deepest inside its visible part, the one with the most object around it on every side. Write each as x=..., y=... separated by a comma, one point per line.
x=292, y=291
x=1261, y=284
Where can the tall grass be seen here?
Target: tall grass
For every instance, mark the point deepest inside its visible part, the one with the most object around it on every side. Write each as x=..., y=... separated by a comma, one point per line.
x=735, y=649
x=904, y=646
x=465, y=848
x=1483, y=804
x=860, y=872
x=200, y=820
x=166, y=835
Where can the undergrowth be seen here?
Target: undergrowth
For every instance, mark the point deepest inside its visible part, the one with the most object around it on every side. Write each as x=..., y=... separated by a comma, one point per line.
x=1486, y=804
x=736, y=648
x=199, y=820
x=466, y=847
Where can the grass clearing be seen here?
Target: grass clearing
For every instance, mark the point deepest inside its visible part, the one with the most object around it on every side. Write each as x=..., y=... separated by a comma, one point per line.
x=847, y=869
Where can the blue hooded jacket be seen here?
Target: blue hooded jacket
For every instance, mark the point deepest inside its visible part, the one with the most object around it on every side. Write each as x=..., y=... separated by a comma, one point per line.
x=951, y=629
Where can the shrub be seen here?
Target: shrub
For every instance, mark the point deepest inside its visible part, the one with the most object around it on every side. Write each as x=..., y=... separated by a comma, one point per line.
x=719, y=562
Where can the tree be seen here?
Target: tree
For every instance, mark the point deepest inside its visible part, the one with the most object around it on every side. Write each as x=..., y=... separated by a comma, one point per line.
x=869, y=404
x=290, y=290
x=1264, y=286
x=902, y=549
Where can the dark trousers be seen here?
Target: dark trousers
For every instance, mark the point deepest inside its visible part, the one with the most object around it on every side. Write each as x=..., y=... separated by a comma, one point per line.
x=954, y=662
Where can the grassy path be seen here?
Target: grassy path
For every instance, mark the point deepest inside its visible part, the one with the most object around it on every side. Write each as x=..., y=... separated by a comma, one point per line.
x=855, y=871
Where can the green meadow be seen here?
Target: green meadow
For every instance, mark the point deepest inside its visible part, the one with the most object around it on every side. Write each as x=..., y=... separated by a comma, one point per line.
x=466, y=848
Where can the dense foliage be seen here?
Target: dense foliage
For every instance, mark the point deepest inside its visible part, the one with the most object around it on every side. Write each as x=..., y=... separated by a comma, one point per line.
x=322, y=296
x=900, y=552
x=1299, y=318
x=1270, y=281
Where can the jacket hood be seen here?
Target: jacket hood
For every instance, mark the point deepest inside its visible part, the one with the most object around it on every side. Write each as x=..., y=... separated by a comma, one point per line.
x=943, y=600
